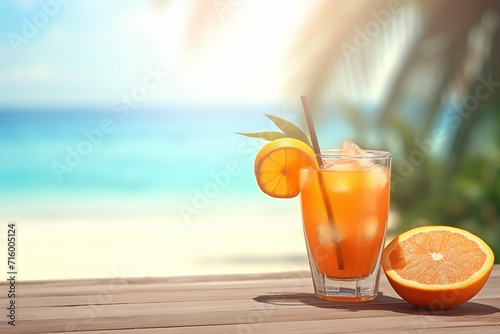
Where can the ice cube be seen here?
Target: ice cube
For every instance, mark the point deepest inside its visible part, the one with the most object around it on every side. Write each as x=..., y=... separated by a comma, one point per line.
x=350, y=149
x=327, y=235
x=305, y=178
x=340, y=186
x=378, y=178
x=343, y=165
x=370, y=227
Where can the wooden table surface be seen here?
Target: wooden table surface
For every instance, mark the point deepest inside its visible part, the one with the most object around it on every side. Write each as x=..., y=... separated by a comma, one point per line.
x=256, y=303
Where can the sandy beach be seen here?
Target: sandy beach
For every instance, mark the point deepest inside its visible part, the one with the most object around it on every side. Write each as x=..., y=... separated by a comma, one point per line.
x=263, y=238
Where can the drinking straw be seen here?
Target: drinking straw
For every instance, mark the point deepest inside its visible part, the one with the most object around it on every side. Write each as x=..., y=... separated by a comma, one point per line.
x=329, y=213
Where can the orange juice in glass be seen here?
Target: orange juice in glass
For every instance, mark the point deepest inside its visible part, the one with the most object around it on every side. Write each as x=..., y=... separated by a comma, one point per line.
x=345, y=207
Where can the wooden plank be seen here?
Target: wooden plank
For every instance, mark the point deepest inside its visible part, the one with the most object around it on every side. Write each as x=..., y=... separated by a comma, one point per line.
x=94, y=287
x=137, y=296
x=305, y=308
x=281, y=302
x=314, y=329
x=101, y=293
x=346, y=321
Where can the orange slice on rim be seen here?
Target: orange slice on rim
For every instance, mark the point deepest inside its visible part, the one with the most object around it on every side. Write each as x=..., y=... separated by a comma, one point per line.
x=437, y=267
x=278, y=164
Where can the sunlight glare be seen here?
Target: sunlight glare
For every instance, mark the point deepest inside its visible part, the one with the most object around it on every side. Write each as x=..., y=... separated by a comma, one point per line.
x=243, y=61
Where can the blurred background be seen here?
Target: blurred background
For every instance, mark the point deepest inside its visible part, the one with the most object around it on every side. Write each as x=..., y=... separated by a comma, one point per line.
x=118, y=152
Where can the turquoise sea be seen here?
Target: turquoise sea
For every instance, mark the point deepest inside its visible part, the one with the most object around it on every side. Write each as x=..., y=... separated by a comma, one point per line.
x=68, y=151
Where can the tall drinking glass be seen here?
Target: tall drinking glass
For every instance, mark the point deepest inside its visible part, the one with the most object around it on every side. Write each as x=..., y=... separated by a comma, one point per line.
x=344, y=209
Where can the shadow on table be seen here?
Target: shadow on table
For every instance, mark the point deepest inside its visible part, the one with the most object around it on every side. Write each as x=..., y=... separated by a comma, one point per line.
x=382, y=302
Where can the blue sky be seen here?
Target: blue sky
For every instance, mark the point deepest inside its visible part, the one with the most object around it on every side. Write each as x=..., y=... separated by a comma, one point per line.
x=92, y=52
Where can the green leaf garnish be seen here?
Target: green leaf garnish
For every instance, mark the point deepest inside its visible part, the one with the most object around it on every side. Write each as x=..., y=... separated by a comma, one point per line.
x=266, y=135
x=290, y=129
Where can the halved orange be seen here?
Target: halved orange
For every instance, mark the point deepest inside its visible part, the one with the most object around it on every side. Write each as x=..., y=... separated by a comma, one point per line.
x=278, y=164
x=437, y=267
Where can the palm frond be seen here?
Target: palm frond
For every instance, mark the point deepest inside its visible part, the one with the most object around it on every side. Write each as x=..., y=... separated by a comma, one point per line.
x=318, y=46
